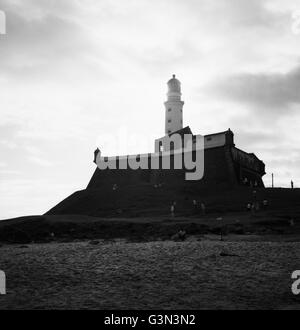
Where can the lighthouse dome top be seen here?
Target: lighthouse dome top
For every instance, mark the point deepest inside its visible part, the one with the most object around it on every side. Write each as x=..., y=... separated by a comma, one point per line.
x=174, y=85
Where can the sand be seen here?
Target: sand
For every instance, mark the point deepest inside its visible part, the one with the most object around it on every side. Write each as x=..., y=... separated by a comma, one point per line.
x=153, y=275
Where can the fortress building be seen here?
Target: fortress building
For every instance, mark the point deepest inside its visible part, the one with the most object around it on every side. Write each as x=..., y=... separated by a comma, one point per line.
x=225, y=166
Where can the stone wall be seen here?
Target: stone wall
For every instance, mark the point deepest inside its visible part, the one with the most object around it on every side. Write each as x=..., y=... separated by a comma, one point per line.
x=218, y=170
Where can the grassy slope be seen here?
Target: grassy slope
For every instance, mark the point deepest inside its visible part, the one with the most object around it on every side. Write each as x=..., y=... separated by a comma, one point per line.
x=145, y=200
x=146, y=215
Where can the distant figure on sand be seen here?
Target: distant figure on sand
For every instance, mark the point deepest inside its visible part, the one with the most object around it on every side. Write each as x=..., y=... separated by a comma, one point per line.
x=173, y=209
x=203, y=208
x=253, y=209
x=195, y=206
x=292, y=184
x=181, y=235
x=249, y=207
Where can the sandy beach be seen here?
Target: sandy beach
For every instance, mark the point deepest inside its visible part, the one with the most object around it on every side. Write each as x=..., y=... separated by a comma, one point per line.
x=116, y=274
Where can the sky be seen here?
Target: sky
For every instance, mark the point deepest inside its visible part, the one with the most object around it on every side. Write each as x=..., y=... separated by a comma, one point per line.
x=81, y=74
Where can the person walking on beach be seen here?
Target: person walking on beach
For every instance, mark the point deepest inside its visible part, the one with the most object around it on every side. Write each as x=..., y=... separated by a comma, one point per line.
x=173, y=209
x=265, y=204
x=195, y=206
x=253, y=210
x=203, y=208
x=249, y=207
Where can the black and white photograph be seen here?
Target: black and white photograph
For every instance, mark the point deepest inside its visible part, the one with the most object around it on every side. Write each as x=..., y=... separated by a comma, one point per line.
x=149, y=157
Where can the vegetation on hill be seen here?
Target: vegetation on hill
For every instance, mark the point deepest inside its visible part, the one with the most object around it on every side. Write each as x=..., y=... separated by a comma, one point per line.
x=145, y=215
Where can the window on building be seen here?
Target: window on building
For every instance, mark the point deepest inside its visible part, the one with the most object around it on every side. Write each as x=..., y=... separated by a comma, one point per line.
x=169, y=109
x=169, y=120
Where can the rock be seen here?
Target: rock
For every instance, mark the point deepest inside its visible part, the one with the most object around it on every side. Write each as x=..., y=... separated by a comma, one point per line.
x=23, y=247
x=180, y=236
x=94, y=243
x=225, y=254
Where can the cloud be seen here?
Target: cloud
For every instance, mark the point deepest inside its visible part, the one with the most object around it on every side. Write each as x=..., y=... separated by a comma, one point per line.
x=6, y=172
x=37, y=156
x=73, y=70
x=239, y=13
x=20, y=196
x=40, y=161
x=8, y=144
x=272, y=92
x=44, y=40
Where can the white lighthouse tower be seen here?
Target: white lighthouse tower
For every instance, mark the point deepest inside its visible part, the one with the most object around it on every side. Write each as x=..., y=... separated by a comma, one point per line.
x=174, y=106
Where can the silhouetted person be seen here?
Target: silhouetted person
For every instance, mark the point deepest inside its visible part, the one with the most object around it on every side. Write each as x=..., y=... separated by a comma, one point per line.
x=292, y=184
x=249, y=207
x=253, y=209
x=181, y=235
x=203, y=208
x=172, y=210
x=195, y=206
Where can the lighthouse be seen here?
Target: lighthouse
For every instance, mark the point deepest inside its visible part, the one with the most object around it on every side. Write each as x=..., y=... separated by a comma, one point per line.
x=174, y=107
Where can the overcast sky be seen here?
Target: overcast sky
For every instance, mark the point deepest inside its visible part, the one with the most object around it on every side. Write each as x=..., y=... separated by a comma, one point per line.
x=77, y=74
